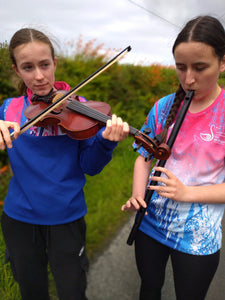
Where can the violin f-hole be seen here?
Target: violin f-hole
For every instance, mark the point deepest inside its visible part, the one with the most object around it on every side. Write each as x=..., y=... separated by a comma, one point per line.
x=56, y=112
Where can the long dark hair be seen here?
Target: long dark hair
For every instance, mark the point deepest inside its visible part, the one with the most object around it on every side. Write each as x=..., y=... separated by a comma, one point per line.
x=204, y=29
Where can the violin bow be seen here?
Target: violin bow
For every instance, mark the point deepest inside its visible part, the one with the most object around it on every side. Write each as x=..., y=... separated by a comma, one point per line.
x=141, y=213
x=60, y=99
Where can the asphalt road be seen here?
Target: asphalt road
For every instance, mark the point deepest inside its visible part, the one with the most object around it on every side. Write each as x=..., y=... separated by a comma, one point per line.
x=113, y=274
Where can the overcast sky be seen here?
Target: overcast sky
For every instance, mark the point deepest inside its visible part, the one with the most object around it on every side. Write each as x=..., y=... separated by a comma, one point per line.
x=148, y=26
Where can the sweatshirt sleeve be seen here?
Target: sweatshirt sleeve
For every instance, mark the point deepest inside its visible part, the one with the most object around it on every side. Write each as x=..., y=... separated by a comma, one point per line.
x=2, y=111
x=96, y=153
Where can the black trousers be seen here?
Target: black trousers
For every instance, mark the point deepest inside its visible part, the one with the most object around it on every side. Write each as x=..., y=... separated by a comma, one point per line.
x=192, y=273
x=32, y=247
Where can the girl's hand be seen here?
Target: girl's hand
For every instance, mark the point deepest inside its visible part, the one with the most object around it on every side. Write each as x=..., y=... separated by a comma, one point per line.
x=134, y=204
x=5, y=139
x=116, y=130
x=172, y=187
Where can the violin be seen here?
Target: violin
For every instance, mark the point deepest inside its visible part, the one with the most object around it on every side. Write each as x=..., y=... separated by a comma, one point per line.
x=79, y=124
x=82, y=120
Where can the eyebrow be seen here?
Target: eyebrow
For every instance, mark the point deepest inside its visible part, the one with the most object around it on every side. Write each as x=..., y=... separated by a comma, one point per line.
x=196, y=63
x=29, y=62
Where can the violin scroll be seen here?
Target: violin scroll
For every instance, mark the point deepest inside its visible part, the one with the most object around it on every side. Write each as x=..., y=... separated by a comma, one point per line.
x=163, y=152
x=153, y=146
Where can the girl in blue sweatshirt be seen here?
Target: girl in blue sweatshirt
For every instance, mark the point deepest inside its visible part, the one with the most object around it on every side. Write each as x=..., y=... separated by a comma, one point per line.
x=43, y=215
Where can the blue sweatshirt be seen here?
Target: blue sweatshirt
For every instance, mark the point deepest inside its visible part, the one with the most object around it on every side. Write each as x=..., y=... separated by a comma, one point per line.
x=49, y=169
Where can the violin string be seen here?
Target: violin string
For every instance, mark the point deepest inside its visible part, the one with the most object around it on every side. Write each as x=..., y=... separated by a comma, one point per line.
x=92, y=113
x=88, y=111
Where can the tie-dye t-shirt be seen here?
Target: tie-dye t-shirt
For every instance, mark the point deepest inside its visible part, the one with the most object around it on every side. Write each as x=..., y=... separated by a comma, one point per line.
x=197, y=159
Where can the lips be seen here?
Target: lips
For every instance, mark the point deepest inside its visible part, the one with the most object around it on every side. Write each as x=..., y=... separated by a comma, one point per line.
x=41, y=86
x=42, y=89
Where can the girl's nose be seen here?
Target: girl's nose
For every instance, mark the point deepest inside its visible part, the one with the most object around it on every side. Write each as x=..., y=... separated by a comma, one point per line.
x=189, y=77
x=38, y=74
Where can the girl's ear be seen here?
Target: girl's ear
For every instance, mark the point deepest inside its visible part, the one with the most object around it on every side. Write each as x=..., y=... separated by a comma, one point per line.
x=55, y=62
x=222, y=66
x=16, y=70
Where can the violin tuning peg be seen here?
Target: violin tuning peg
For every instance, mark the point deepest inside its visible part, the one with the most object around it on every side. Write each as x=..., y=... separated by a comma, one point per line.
x=158, y=139
x=147, y=130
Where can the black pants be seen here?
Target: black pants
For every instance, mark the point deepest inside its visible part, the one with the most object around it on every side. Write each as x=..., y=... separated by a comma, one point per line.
x=192, y=273
x=31, y=247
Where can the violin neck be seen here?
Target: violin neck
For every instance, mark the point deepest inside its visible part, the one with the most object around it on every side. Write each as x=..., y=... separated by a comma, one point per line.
x=90, y=112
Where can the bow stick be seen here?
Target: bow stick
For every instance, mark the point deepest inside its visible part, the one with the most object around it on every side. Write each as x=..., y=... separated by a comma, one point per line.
x=170, y=142
x=58, y=102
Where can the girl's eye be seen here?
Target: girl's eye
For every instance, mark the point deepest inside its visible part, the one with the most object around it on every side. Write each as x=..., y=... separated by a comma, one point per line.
x=27, y=68
x=45, y=65
x=181, y=68
x=199, y=69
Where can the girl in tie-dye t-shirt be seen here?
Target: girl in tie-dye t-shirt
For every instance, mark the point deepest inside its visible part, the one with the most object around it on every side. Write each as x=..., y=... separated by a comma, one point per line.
x=184, y=215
